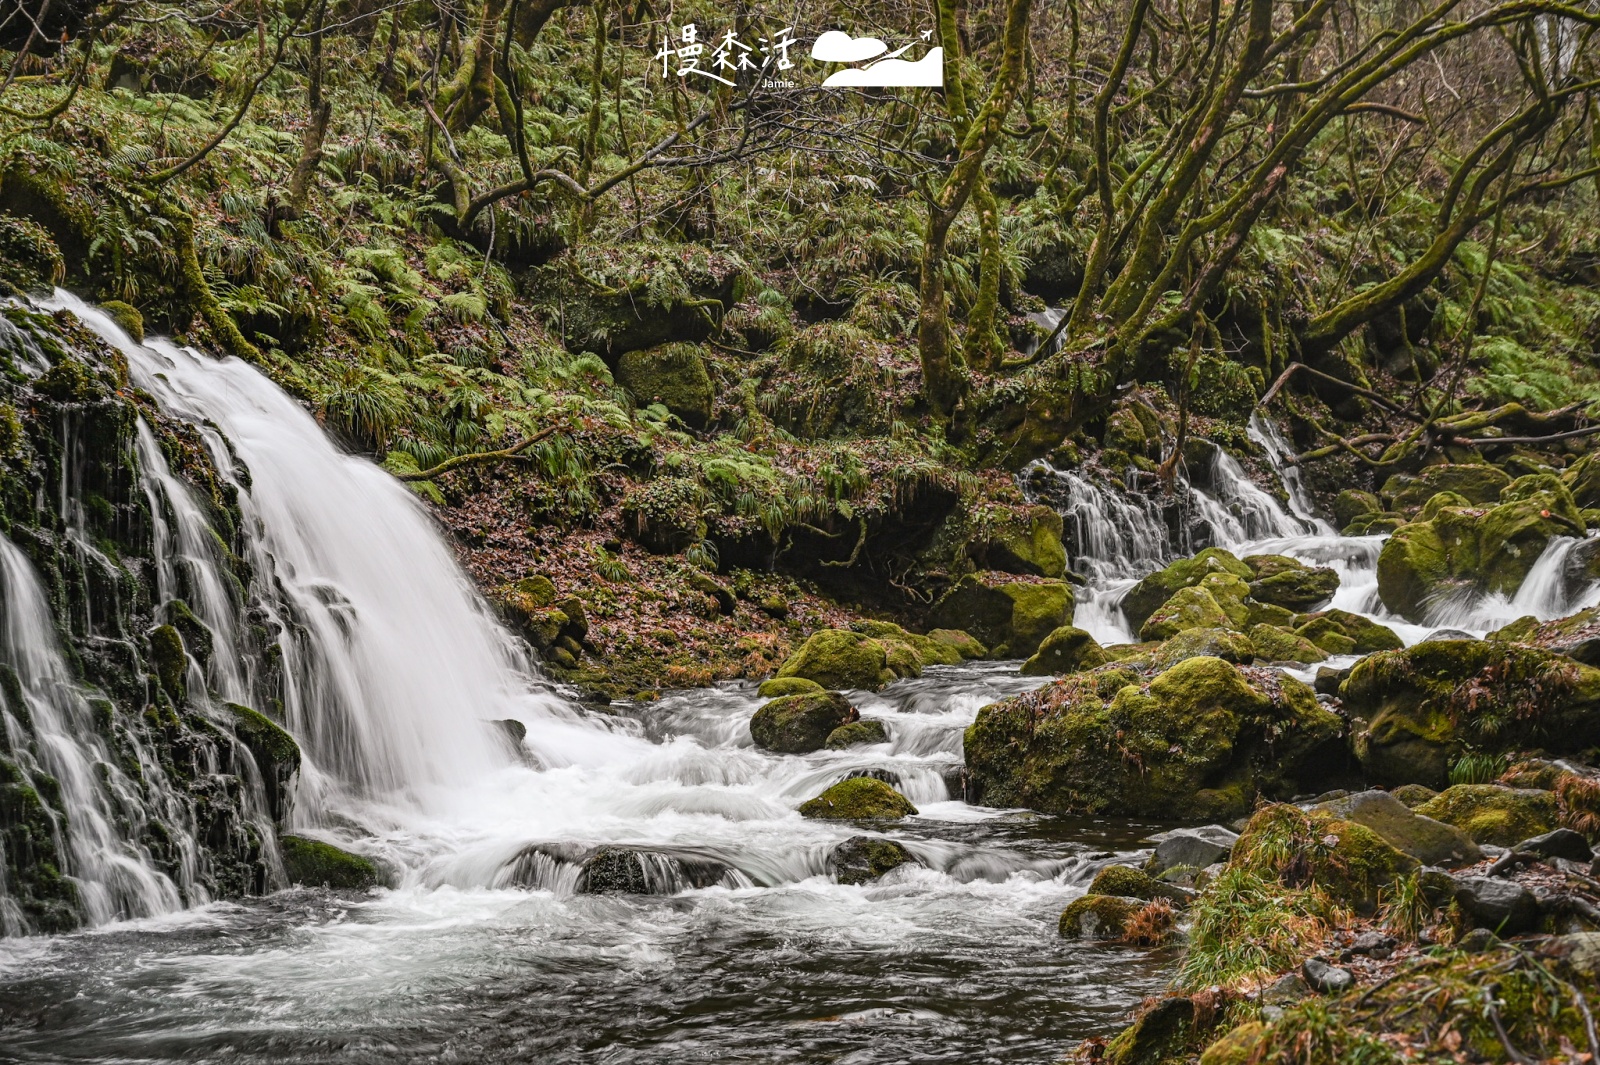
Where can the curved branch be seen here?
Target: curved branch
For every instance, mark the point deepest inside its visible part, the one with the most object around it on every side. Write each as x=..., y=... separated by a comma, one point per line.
x=479, y=458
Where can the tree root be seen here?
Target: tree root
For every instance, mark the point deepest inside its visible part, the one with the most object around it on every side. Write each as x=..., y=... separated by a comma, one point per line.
x=479, y=458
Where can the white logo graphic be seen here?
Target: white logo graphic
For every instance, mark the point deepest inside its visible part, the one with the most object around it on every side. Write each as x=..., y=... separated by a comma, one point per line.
x=889, y=72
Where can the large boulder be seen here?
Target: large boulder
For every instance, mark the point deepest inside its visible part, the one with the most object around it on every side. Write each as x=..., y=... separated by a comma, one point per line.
x=1478, y=484
x=1215, y=603
x=314, y=863
x=840, y=659
x=1349, y=861
x=1200, y=740
x=1011, y=617
x=1501, y=817
x=1027, y=542
x=1430, y=842
x=1191, y=643
x=1339, y=632
x=638, y=871
x=673, y=375
x=1416, y=710
x=1457, y=549
x=858, y=799
x=1273, y=644
x=800, y=724
x=1286, y=582
x=1066, y=650
x=1144, y=598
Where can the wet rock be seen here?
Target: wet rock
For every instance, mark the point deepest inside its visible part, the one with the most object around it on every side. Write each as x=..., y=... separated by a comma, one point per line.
x=888, y=776
x=1561, y=843
x=863, y=859
x=1216, y=602
x=1502, y=906
x=1328, y=979
x=313, y=863
x=1429, y=841
x=638, y=871
x=1189, y=743
x=840, y=659
x=800, y=724
x=1413, y=795
x=856, y=734
x=776, y=687
x=1011, y=617
x=858, y=799
x=1353, y=503
x=276, y=754
x=168, y=660
x=1164, y=1032
x=1419, y=709
x=1066, y=650
x=965, y=645
x=1339, y=632
x=1286, y=582
x=1290, y=987
x=1493, y=814
x=1328, y=679
x=1128, y=882
x=1191, y=849
x=1478, y=484
x=1027, y=543
x=673, y=375
x=1217, y=643
x=1098, y=917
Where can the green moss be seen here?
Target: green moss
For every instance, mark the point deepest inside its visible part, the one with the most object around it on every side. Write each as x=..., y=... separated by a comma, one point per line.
x=775, y=687
x=1492, y=814
x=858, y=799
x=800, y=724
x=1478, y=484
x=1341, y=632
x=168, y=658
x=673, y=375
x=1350, y=862
x=1353, y=503
x=1026, y=542
x=1011, y=617
x=127, y=317
x=1273, y=644
x=856, y=734
x=1216, y=643
x=313, y=863
x=1288, y=583
x=863, y=859
x=1189, y=608
x=1126, y=881
x=1066, y=650
x=1144, y=598
x=840, y=659
x=963, y=644
x=1097, y=917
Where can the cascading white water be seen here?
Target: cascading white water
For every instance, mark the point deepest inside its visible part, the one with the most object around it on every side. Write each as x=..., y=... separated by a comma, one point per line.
x=1543, y=594
x=1269, y=436
x=57, y=742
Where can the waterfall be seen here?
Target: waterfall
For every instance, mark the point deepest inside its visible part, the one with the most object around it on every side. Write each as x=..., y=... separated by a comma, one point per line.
x=1544, y=594
x=1269, y=437
x=58, y=737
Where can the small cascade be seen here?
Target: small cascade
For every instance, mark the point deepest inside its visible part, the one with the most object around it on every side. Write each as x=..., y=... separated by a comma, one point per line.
x=1544, y=594
x=1269, y=437
x=1240, y=511
x=1047, y=320
x=58, y=737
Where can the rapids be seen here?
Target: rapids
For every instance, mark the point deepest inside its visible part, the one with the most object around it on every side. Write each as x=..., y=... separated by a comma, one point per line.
x=395, y=671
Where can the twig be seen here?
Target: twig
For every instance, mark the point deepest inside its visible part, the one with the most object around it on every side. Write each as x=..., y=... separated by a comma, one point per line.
x=478, y=458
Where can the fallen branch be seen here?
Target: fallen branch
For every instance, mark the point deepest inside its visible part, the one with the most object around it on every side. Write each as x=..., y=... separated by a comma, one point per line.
x=1296, y=367
x=479, y=458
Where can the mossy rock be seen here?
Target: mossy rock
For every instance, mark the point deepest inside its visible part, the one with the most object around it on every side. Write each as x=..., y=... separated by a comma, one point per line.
x=313, y=863
x=673, y=375
x=863, y=859
x=1011, y=617
x=1163, y=1034
x=1582, y=479
x=1192, y=643
x=1413, y=795
x=1144, y=598
x=858, y=799
x=907, y=652
x=29, y=258
x=1349, y=861
x=1421, y=708
x=1353, y=503
x=170, y=662
x=800, y=724
x=1240, y=1045
x=1342, y=632
x=1429, y=841
x=1479, y=484
x=1029, y=543
x=1066, y=650
x=962, y=643
x=1189, y=608
x=276, y=753
x=1128, y=882
x=857, y=734
x=1502, y=817
x=840, y=659
x=1289, y=583
x=1098, y=916
x=127, y=317
x=1273, y=644
x=665, y=515
x=776, y=687
x=1200, y=740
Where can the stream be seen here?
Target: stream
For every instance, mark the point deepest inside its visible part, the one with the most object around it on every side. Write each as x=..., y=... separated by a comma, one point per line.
x=484, y=951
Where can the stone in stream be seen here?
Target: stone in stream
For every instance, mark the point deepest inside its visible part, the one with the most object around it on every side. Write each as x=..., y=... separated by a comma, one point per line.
x=856, y=734
x=1098, y=916
x=1286, y=582
x=1502, y=906
x=1128, y=882
x=863, y=859
x=313, y=863
x=639, y=871
x=858, y=799
x=1191, y=849
x=1011, y=616
x=1492, y=814
x=839, y=659
x=1066, y=650
x=800, y=724
x=1430, y=842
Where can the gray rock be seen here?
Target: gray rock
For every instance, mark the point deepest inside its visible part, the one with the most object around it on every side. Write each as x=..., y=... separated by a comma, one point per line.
x=1290, y=987
x=1582, y=951
x=1502, y=906
x=1195, y=848
x=1477, y=941
x=1430, y=842
x=862, y=859
x=1447, y=634
x=1562, y=843
x=1329, y=979
x=1373, y=944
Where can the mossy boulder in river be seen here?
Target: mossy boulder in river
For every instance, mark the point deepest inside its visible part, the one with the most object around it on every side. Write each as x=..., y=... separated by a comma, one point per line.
x=1066, y=650
x=800, y=724
x=839, y=658
x=1144, y=598
x=673, y=375
x=1416, y=710
x=1098, y=917
x=857, y=734
x=313, y=863
x=1189, y=608
x=858, y=799
x=1286, y=582
x=1464, y=549
x=1273, y=644
x=965, y=645
x=1200, y=740
x=1501, y=817
x=1478, y=484
x=1339, y=632
x=863, y=859
x=1191, y=643
x=277, y=755
x=1012, y=617
x=1028, y=542
x=776, y=687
